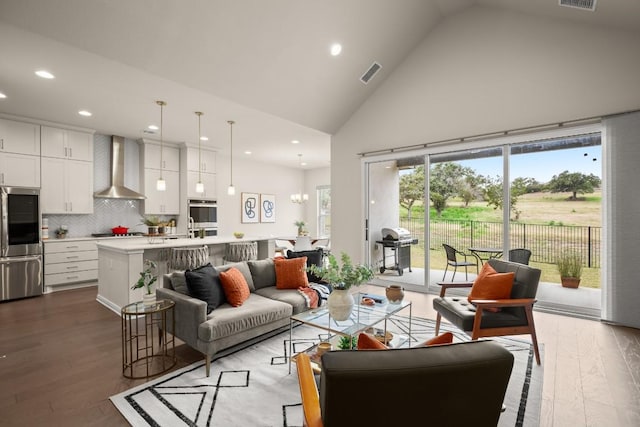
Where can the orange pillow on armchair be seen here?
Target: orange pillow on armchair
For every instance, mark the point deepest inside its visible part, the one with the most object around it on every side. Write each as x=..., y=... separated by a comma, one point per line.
x=491, y=285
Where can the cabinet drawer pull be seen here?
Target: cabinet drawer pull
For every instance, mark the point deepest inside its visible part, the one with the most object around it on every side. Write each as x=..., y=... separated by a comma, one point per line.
x=72, y=277
x=72, y=257
x=72, y=247
x=71, y=267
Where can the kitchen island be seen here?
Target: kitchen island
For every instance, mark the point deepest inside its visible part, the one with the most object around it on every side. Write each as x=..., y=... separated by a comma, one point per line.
x=120, y=262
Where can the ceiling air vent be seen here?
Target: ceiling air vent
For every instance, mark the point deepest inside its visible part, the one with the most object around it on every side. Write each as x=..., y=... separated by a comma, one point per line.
x=375, y=67
x=579, y=4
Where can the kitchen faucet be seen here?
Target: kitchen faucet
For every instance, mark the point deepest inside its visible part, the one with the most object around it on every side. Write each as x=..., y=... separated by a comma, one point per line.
x=192, y=228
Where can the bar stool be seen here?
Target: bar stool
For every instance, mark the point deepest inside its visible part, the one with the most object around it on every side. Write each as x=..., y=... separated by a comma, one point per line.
x=188, y=258
x=241, y=251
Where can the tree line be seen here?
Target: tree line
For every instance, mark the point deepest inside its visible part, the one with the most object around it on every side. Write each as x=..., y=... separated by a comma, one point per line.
x=450, y=180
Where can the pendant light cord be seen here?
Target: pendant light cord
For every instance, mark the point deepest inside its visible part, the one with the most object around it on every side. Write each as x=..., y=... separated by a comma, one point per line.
x=231, y=122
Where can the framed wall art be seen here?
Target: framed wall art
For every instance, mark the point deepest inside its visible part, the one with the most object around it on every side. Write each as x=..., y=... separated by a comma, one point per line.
x=267, y=208
x=250, y=208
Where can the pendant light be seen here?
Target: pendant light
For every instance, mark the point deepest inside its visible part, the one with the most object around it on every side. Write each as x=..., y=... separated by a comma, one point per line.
x=161, y=184
x=231, y=190
x=300, y=197
x=199, y=184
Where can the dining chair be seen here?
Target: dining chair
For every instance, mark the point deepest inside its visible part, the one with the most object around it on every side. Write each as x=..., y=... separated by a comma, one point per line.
x=303, y=243
x=520, y=255
x=452, y=260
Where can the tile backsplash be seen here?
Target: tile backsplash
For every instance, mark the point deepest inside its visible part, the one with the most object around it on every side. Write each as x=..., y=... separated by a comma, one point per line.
x=107, y=213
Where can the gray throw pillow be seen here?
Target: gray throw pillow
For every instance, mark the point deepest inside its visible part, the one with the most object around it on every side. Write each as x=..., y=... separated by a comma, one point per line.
x=263, y=273
x=179, y=282
x=204, y=284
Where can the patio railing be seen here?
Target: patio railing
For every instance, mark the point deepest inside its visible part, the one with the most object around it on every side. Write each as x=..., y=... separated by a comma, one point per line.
x=545, y=242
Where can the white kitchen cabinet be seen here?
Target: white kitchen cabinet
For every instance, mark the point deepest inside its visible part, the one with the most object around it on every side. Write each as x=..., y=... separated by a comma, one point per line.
x=170, y=157
x=69, y=262
x=207, y=159
x=209, y=182
x=162, y=202
x=66, y=144
x=19, y=170
x=67, y=186
x=19, y=137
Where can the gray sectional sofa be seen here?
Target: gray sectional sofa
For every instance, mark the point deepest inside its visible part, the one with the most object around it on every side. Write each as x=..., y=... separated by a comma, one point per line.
x=266, y=309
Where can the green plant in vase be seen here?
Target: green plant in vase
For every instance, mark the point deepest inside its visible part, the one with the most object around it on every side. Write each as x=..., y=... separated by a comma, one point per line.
x=146, y=280
x=348, y=343
x=341, y=277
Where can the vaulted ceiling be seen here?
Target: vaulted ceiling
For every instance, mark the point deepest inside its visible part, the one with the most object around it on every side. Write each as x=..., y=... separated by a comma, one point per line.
x=263, y=63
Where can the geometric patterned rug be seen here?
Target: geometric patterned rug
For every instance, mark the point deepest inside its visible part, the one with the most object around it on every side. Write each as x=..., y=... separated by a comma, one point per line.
x=250, y=384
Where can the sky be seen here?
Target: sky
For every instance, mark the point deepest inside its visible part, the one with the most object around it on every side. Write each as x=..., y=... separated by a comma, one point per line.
x=544, y=165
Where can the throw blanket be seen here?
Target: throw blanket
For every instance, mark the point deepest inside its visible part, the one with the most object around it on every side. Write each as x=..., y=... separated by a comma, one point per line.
x=315, y=295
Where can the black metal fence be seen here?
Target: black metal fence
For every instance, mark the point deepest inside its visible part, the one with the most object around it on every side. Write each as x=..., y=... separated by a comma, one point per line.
x=545, y=242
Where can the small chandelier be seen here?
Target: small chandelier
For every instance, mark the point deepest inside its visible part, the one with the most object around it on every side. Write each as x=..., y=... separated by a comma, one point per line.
x=300, y=197
x=231, y=190
x=199, y=184
x=161, y=184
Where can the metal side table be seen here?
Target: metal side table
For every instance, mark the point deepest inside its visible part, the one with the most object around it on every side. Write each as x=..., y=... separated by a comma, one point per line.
x=148, y=349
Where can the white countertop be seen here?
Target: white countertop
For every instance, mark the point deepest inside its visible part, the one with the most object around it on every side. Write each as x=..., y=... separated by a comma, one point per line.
x=138, y=244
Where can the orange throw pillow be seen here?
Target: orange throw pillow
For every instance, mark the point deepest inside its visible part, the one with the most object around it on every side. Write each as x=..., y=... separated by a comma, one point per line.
x=235, y=286
x=367, y=342
x=491, y=285
x=444, y=338
x=291, y=273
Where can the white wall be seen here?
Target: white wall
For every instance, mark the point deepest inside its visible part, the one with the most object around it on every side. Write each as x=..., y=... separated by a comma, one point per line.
x=257, y=177
x=484, y=70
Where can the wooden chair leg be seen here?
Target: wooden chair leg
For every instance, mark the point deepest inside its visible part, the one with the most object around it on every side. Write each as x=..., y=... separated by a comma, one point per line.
x=208, y=364
x=438, y=319
x=532, y=329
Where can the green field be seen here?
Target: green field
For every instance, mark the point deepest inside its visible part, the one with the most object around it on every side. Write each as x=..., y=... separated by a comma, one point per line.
x=536, y=208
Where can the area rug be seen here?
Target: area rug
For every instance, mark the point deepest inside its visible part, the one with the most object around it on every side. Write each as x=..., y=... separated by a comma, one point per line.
x=250, y=385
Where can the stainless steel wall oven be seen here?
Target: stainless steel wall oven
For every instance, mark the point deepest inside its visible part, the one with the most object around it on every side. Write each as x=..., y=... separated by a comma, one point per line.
x=20, y=243
x=203, y=214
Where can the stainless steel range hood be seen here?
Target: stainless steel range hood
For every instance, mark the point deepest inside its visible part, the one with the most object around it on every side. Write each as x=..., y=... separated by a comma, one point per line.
x=117, y=190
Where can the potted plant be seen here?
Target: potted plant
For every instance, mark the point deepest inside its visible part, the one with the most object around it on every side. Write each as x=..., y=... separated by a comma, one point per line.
x=301, y=225
x=341, y=278
x=146, y=280
x=152, y=222
x=570, y=268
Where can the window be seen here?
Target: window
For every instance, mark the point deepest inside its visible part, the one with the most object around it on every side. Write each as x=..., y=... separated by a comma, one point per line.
x=323, y=194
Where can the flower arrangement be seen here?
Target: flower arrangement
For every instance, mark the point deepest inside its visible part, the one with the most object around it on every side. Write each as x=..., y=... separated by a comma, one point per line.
x=147, y=278
x=342, y=276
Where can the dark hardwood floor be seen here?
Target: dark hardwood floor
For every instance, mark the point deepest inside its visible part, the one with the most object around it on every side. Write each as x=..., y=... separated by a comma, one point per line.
x=60, y=360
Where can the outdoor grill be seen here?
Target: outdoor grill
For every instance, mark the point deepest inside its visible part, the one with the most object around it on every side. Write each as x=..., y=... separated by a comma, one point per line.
x=399, y=241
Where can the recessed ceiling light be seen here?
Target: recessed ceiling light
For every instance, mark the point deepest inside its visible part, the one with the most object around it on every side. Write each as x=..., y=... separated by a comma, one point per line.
x=2, y=95
x=336, y=48
x=85, y=113
x=247, y=152
x=44, y=74
x=204, y=138
x=153, y=127
x=295, y=141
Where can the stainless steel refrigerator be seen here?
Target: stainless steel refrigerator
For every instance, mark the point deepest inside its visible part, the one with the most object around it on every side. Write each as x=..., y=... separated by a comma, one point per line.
x=20, y=243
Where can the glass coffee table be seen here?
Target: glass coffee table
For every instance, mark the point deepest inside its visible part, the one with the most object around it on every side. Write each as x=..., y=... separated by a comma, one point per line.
x=363, y=318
